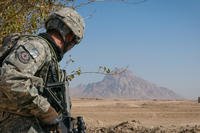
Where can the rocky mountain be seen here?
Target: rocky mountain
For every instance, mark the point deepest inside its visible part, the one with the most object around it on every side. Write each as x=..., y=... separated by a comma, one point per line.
x=123, y=85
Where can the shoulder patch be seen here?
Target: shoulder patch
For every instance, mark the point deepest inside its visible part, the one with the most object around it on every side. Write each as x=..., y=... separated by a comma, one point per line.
x=32, y=50
x=24, y=57
x=29, y=55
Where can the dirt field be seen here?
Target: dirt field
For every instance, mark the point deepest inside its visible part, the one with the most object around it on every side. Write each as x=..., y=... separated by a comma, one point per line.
x=129, y=116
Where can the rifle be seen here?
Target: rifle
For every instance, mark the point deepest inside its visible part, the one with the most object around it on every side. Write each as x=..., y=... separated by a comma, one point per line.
x=56, y=94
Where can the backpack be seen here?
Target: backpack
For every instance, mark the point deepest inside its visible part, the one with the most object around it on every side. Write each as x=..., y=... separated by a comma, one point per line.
x=7, y=45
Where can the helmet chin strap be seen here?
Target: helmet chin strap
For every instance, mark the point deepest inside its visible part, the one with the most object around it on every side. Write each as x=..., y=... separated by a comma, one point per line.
x=63, y=31
x=67, y=46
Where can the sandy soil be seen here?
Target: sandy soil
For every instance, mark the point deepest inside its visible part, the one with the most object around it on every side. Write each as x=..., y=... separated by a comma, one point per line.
x=159, y=116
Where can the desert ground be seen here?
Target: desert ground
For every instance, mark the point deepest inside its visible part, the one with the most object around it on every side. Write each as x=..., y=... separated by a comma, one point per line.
x=138, y=116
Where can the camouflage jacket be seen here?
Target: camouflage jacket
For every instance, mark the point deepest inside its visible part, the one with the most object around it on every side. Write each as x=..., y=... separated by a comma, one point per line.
x=25, y=71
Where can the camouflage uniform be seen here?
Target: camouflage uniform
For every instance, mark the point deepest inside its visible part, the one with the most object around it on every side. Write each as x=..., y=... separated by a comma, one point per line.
x=25, y=70
x=31, y=64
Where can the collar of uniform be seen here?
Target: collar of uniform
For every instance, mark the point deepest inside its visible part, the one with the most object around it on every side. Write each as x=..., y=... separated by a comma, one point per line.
x=58, y=51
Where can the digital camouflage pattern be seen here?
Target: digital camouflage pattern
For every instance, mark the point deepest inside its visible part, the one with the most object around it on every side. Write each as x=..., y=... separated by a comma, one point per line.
x=27, y=70
x=20, y=66
x=19, y=84
x=71, y=19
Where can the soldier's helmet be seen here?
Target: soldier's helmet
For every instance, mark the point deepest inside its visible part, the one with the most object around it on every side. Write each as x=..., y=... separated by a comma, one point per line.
x=66, y=20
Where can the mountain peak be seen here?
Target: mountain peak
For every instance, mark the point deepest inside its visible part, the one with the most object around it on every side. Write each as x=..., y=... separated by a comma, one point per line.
x=124, y=84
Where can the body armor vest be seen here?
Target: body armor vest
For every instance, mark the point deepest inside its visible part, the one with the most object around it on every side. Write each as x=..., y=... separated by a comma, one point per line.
x=51, y=73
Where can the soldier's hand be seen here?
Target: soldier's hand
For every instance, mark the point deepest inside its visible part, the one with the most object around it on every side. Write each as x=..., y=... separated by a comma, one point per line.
x=50, y=117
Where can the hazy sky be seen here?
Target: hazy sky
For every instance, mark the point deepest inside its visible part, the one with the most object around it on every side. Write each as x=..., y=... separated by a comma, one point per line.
x=159, y=40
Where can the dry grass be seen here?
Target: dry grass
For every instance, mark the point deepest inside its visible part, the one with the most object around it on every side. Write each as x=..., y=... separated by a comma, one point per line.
x=105, y=113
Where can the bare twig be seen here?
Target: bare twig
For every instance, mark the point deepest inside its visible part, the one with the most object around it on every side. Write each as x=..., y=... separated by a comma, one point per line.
x=104, y=72
x=86, y=3
x=125, y=1
x=133, y=2
x=90, y=15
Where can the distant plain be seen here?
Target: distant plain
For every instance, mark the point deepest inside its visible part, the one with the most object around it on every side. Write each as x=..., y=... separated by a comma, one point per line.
x=149, y=113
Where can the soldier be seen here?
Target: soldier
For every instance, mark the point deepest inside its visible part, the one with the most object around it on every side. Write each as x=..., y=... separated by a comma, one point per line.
x=31, y=64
